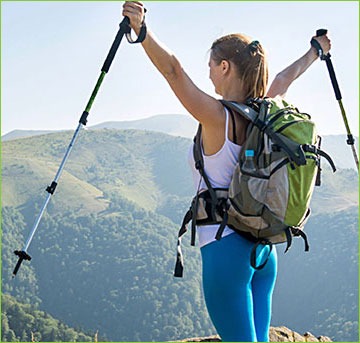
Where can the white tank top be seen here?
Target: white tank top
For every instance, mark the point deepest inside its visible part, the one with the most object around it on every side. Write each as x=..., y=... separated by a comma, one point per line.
x=219, y=168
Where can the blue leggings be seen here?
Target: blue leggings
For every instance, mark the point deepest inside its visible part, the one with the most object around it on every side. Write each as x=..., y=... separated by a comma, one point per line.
x=238, y=297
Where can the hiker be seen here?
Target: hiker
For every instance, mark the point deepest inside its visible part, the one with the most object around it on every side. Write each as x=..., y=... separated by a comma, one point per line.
x=238, y=297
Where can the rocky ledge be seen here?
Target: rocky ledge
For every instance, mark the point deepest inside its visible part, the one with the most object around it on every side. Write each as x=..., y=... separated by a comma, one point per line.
x=277, y=334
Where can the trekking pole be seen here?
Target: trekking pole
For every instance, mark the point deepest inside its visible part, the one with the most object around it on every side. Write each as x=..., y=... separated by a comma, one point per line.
x=350, y=139
x=123, y=30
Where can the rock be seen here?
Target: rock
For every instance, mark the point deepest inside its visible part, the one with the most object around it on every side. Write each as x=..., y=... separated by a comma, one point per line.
x=202, y=339
x=276, y=334
x=283, y=334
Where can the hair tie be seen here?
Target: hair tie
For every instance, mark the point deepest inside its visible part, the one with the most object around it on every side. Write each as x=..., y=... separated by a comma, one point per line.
x=253, y=46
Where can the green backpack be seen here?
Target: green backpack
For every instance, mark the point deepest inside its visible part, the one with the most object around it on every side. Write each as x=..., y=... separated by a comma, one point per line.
x=273, y=181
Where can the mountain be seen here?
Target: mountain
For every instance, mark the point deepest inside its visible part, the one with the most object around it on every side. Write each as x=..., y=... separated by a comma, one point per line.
x=339, y=150
x=176, y=125
x=172, y=124
x=17, y=134
x=185, y=126
x=103, y=255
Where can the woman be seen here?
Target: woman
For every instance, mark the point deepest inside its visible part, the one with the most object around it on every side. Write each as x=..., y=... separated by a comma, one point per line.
x=238, y=298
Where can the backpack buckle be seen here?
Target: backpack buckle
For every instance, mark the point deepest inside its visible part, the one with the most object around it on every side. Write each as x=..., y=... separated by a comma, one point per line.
x=310, y=148
x=198, y=165
x=275, y=148
x=260, y=124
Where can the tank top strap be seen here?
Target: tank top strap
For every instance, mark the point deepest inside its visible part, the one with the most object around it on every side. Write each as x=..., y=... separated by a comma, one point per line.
x=226, y=124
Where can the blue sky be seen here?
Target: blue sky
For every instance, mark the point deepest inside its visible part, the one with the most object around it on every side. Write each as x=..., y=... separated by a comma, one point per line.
x=52, y=53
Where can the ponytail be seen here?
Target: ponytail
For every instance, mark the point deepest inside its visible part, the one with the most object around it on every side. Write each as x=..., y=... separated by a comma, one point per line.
x=250, y=60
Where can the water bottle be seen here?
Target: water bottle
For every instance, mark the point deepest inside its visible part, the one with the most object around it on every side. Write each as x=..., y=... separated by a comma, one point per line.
x=249, y=165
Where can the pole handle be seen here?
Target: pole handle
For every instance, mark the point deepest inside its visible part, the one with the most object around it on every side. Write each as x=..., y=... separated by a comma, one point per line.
x=321, y=32
x=124, y=28
x=333, y=77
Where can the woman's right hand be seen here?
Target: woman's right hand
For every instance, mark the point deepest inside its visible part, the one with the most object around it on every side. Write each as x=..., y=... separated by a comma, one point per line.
x=203, y=107
x=135, y=11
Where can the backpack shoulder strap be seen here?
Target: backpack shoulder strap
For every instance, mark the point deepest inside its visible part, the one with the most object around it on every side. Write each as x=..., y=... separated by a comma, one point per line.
x=244, y=110
x=199, y=165
x=198, y=157
x=233, y=125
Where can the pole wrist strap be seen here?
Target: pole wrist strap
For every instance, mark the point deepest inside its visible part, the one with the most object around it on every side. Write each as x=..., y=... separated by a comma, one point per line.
x=140, y=37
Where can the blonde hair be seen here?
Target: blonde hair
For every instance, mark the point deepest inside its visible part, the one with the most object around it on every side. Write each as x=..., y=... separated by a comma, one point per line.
x=249, y=58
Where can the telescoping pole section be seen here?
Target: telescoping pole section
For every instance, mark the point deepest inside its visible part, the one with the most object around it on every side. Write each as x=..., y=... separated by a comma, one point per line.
x=124, y=29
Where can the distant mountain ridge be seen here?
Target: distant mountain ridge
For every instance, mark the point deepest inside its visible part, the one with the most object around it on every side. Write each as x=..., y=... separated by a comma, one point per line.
x=185, y=126
x=175, y=125
x=172, y=124
x=18, y=134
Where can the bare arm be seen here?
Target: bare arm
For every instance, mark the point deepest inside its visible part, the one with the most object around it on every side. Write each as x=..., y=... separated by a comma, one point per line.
x=204, y=108
x=285, y=78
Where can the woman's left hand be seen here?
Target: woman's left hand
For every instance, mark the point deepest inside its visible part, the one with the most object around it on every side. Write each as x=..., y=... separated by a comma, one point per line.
x=324, y=42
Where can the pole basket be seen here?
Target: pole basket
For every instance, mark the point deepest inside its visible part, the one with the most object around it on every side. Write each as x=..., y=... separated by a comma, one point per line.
x=23, y=255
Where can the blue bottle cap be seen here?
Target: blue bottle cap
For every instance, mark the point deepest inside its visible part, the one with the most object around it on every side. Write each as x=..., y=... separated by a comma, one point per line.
x=249, y=153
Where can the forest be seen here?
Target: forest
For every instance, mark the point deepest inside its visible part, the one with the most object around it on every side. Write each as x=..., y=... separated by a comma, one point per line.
x=25, y=323
x=103, y=256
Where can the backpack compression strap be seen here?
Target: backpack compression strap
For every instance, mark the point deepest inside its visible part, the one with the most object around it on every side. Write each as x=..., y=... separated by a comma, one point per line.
x=313, y=149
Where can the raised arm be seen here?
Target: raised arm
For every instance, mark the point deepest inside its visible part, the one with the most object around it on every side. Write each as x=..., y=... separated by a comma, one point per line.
x=285, y=78
x=204, y=108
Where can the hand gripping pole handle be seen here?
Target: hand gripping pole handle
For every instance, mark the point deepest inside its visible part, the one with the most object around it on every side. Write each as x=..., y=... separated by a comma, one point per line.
x=317, y=46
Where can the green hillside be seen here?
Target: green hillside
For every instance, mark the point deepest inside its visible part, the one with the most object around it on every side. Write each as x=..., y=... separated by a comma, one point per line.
x=105, y=161
x=144, y=167
x=104, y=252
x=24, y=323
